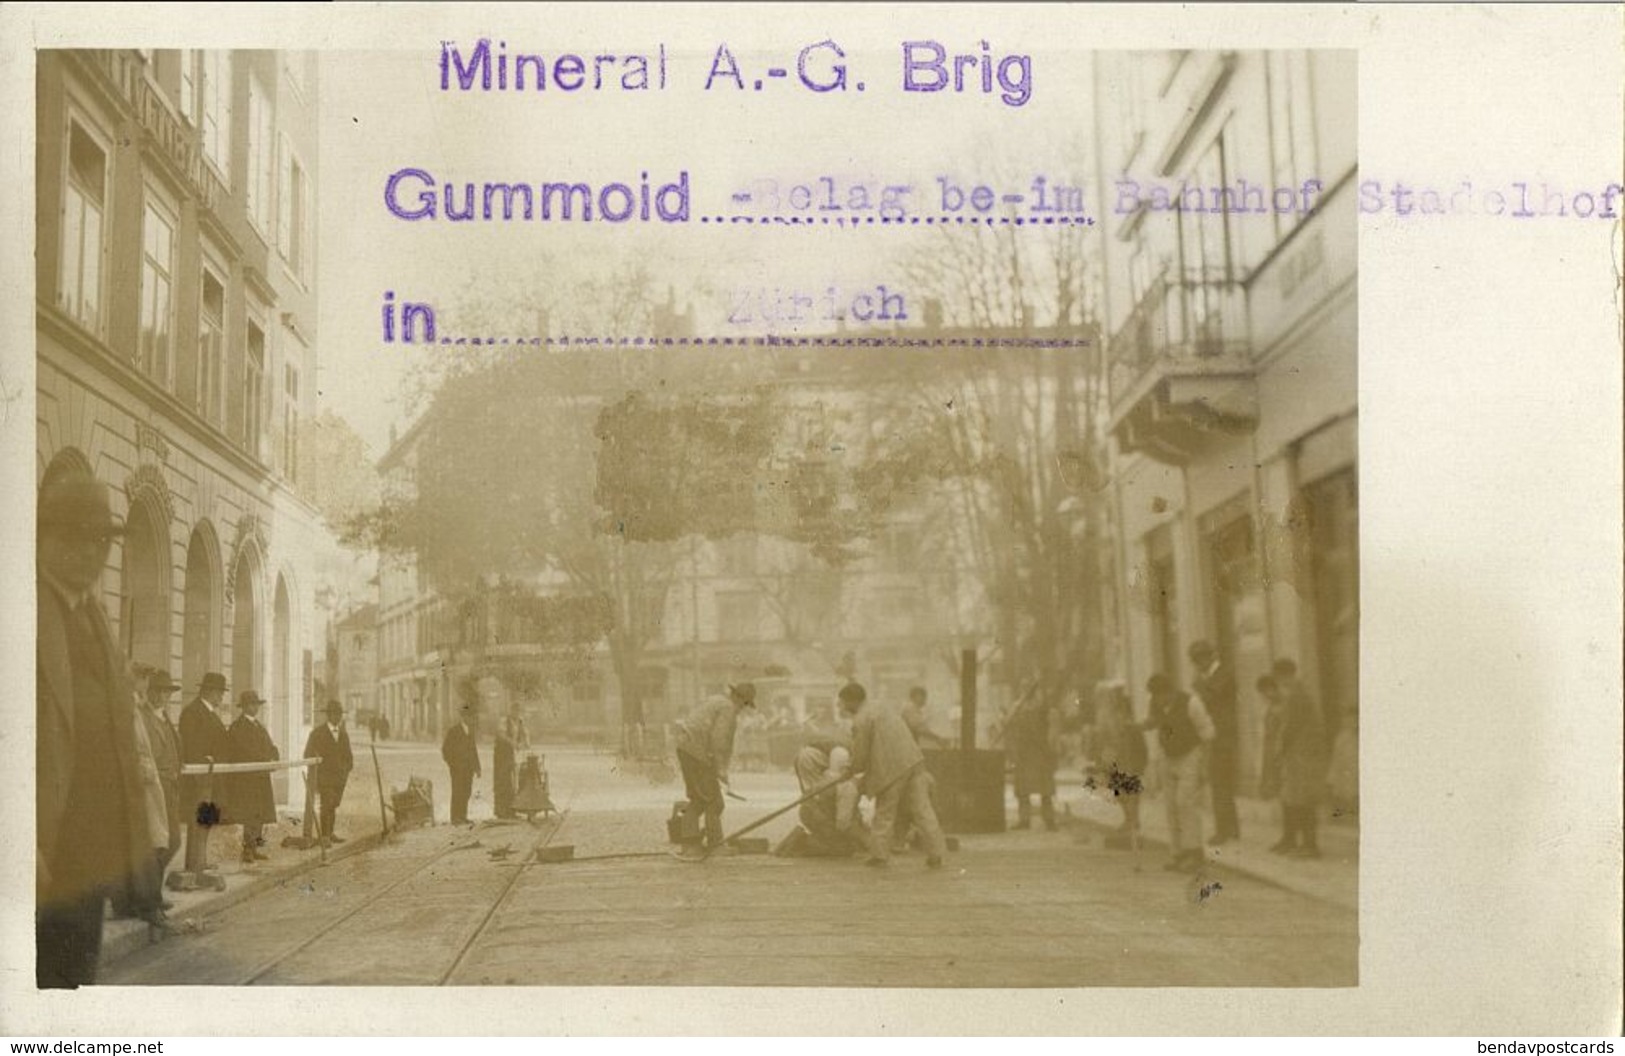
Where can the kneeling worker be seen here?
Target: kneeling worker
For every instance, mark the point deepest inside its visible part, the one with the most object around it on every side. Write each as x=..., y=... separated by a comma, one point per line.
x=830, y=825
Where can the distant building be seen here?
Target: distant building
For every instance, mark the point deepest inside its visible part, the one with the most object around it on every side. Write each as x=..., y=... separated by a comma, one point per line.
x=355, y=645
x=1233, y=362
x=176, y=330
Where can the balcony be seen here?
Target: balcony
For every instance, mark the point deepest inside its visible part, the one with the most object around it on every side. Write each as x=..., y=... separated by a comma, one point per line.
x=1181, y=368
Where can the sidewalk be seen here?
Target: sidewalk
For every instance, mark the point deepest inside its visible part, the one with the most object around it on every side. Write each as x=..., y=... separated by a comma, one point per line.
x=122, y=937
x=1333, y=878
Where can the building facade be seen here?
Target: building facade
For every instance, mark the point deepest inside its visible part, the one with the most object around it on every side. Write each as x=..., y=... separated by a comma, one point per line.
x=1230, y=249
x=176, y=330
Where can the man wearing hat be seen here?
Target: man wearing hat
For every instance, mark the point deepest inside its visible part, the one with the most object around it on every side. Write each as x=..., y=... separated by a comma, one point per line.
x=705, y=745
x=252, y=803
x=203, y=739
x=462, y=758
x=893, y=774
x=331, y=742
x=166, y=756
x=90, y=824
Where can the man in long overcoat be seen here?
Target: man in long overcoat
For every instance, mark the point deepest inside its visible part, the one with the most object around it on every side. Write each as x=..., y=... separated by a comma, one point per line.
x=166, y=756
x=91, y=837
x=331, y=743
x=462, y=758
x=203, y=737
x=252, y=802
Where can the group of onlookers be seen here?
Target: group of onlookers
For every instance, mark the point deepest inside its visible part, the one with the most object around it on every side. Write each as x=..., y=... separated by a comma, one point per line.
x=111, y=797
x=1196, y=735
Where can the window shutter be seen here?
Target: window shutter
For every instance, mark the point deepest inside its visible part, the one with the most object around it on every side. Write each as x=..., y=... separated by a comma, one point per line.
x=284, y=216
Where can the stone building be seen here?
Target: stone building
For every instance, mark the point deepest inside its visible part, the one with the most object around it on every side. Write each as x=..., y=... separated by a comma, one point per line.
x=1229, y=242
x=176, y=330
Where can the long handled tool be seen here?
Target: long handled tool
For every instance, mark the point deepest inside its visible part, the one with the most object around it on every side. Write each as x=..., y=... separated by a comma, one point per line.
x=758, y=823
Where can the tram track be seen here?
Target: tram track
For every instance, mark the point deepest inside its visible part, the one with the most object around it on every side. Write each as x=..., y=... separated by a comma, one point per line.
x=329, y=927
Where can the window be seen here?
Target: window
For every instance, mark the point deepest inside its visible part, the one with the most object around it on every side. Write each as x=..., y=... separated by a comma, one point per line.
x=1205, y=243
x=290, y=422
x=211, y=348
x=738, y=616
x=84, y=215
x=294, y=213
x=157, y=294
x=1293, y=154
x=261, y=156
x=217, y=111
x=189, y=84
x=254, y=389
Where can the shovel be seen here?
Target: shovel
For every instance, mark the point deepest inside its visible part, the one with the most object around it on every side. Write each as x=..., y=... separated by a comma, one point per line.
x=758, y=823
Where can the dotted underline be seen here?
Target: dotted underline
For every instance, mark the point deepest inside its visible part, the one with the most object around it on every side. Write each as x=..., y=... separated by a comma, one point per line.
x=861, y=221
x=773, y=342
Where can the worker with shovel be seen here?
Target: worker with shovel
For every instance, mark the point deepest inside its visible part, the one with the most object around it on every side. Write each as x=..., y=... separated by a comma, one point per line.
x=705, y=744
x=894, y=775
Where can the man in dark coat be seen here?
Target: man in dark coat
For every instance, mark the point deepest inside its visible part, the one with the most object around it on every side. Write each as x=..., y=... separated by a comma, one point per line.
x=252, y=803
x=90, y=822
x=1216, y=684
x=1031, y=735
x=203, y=738
x=331, y=742
x=463, y=759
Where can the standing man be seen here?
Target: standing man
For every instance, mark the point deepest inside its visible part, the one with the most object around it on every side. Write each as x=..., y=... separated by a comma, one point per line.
x=203, y=739
x=1183, y=727
x=919, y=723
x=462, y=756
x=331, y=741
x=512, y=738
x=1302, y=761
x=1030, y=735
x=1216, y=685
x=90, y=822
x=705, y=745
x=166, y=756
x=253, y=804
x=893, y=774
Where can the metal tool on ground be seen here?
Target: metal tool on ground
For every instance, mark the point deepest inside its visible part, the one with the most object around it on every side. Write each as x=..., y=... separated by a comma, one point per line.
x=732, y=837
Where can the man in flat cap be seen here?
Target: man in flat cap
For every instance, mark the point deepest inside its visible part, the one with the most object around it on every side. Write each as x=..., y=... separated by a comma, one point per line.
x=91, y=829
x=705, y=745
x=252, y=802
x=331, y=742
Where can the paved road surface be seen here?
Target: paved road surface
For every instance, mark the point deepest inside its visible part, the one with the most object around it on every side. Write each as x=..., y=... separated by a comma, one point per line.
x=1012, y=910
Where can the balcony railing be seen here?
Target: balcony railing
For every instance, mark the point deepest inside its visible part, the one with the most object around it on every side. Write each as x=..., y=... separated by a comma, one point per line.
x=125, y=73
x=1187, y=323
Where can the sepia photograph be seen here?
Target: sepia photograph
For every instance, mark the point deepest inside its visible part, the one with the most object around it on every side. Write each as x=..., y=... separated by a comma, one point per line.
x=871, y=510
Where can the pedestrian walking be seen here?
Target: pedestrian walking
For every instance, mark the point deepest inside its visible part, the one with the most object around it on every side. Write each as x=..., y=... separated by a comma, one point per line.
x=511, y=738
x=203, y=740
x=1301, y=762
x=252, y=802
x=330, y=742
x=1215, y=683
x=893, y=773
x=705, y=745
x=462, y=758
x=90, y=826
x=1030, y=734
x=1183, y=728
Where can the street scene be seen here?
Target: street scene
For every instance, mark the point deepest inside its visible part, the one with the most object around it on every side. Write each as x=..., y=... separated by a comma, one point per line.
x=877, y=599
